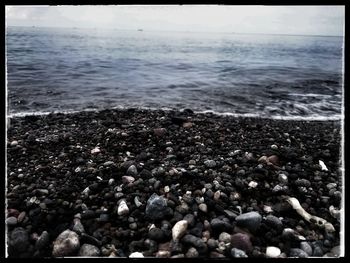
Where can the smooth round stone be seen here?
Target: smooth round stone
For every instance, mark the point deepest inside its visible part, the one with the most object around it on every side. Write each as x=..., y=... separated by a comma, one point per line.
x=305, y=246
x=298, y=253
x=203, y=207
x=241, y=241
x=78, y=226
x=132, y=170
x=11, y=221
x=156, y=234
x=43, y=240
x=192, y=253
x=250, y=220
x=212, y=243
x=210, y=163
x=66, y=244
x=123, y=209
x=163, y=254
x=18, y=240
x=14, y=143
x=317, y=252
x=274, y=147
x=179, y=229
x=88, y=250
x=283, y=179
x=274, y=222
x=104, y=218
x=127, y=179
x=272, y=252
x=133, y=226
x=238, y=253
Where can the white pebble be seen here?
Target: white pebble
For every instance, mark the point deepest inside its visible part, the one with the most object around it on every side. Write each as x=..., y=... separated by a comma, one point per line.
x=123, y=209
x=274, y=147
x=253, y=184
x=95, y=150
x=273, y=252
x=179, y=229
x=166, y=189
x=136, y=255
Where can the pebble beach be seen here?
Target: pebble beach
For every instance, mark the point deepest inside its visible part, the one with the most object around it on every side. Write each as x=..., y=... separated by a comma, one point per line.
x=172, y=184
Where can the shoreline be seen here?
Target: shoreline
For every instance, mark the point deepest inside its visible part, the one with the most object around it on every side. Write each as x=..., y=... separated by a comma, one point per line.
x=236, y=202
x=234, y=115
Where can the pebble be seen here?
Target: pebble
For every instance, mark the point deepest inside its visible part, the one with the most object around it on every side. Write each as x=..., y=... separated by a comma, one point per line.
x=160, y=132
x=196, y=242
x=96, y=150
x=21, y=216
x=274, y=222
x=43, y=241
x=156, y=234
x=210, y=163
x=123, y=208
x=241, y=241
x=127, y=179
x=179, y=230
x=272, y=252
x=192, y=253
x=212, y=243
x=156, y=207
x=88, y=250
x=238, y=253
x=163, y=254
x=250, y=221
x=78, y=226
x=225, y=237
x=18, y=240
x=273, y=159
x=14, y=143
x=66, y=244
x=297, y=253
x=305, y=246
x=11, y=221
x=136, y=255
x=219, y=226
x=253, y=184
x=137, y=201
x=283, y=179
x=274, y=147
x=203, y=208
x=132, y=170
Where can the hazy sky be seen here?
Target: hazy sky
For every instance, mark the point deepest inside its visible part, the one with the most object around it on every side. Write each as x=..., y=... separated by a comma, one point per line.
x=308, y=20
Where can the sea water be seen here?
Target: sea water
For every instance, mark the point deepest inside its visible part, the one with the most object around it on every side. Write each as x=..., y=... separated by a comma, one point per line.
x=273, y=76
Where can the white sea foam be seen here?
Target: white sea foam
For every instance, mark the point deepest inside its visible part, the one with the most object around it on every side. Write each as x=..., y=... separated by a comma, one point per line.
x=237, y=115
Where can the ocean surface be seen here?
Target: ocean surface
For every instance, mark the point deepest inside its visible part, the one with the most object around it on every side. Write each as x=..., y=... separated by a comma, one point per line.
x=62, y=70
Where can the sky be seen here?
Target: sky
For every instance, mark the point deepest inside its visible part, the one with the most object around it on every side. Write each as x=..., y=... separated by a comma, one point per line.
x=293, y=20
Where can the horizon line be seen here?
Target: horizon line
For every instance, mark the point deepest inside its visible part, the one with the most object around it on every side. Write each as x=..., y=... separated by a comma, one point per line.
x=177, y=31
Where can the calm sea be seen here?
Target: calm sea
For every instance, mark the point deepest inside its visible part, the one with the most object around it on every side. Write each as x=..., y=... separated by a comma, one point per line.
x=56, y=69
